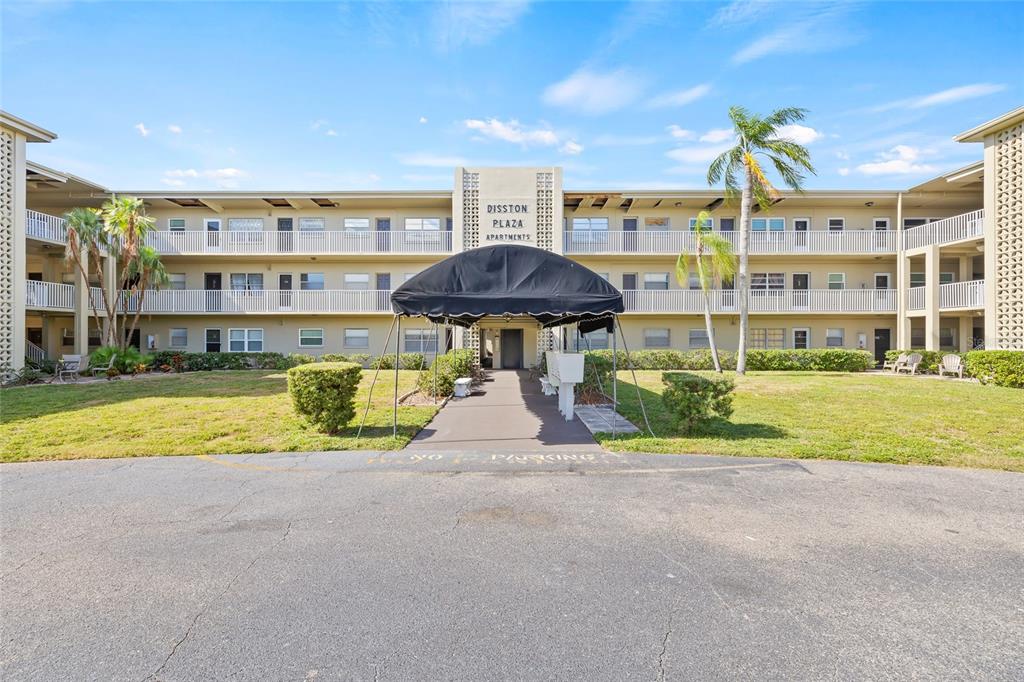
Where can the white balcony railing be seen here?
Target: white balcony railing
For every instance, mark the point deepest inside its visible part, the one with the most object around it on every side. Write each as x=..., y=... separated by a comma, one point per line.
x=266, y=301
x=970, y=294
x=781, y=242
x=267, y=242
x=42, y=226
x=965, y=226
x=915, y=298
x=49, y=295
x=34, y=352
x=761, y=301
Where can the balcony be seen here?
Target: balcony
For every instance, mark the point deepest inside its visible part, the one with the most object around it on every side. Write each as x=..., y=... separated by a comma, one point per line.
x=49, y=296
x=45, y=227
x=968, y=295
x=261, y=243
x=270, y=301
x=762, y=301
x=672, y=242
x=958, y=228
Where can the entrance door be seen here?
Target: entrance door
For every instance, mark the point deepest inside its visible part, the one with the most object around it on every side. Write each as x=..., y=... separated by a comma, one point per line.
x=883, y=338
x=382, y=302
x=285, y=243
x=629, y=235
x=212, y=234
x=800, y=227
x=212, y=283
x=801, y=283
x=284, y=285
x=383, y=235
x=511, y=348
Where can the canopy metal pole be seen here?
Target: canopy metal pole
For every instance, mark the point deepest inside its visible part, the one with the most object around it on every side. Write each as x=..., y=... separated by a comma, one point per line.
x=398, y=346
x=434, y=365
x=615, y=381
x=636, y=384
x=373, y=383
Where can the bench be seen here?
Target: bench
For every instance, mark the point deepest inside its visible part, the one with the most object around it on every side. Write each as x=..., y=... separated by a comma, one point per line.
x=546, y=387
x=462, y=387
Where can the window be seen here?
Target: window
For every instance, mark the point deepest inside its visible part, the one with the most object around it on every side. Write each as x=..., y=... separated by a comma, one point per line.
x=179, y=337
x=211, y=224
x=176, y=224
x=836, y=224
x=801, y=338
x=699, y=338
x=177, y=281
x=357, y=281
x=357, y=338
x=590, y=224
x=726, y=224
x=657, y=224
x=834, y=338
x=245, y=340
x=837, y=280
x=312, y=224
x=917, y=222
x=947, y=277
x=656, y=338
x=709, y=224
x=423, y=224
x=247, y=281
x=597, y=339
x=917, y=337
x=656, y=281
x=880, y=223
x=768, y=338
x=767, y=280
x=311, y=281
x=419, y=341
x=947, y=338
x=801, y=224
x=917, y=279
x=693, y=280
x=245, y=224
x=770, y=224
x=311, y=338
x=358, y=224
x=212, y=340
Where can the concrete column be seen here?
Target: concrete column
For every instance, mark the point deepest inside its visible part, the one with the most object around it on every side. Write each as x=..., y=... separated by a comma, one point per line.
x=82, y=309
x=110, y=280
x=965, y=333
x=931, y=298
x=992, y=341
x=966, y=273
x=902, y=292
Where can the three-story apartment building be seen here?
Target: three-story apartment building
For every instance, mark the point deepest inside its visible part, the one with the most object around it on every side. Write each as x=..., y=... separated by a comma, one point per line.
x=935, y=266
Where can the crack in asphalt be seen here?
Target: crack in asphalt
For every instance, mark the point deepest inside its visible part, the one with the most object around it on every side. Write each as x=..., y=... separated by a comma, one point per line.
x=664, y=648
x=220, y=596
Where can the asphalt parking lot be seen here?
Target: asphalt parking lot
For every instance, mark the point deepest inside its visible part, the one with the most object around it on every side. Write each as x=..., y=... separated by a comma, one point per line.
x=497, y=565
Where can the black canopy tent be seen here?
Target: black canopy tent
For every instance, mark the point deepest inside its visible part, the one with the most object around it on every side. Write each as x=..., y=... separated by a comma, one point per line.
x=507, y=281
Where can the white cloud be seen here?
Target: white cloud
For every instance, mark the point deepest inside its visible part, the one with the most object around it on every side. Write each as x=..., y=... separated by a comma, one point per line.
x=318, y=124
x=423, y=119
x=799, y=134
x=512, y=131
x=461, y=23
x=716, y=135
x=844, y=171
x=428, y=160
x=590, y=92
x=176, y=129
x=698, y=153
x=900, y=160
x=739, y=12
x=625, y=140
x=143, y=130
x=804, y=28
x=948, y=96
x=221, y=177
x=842, y=156
x=571, y=147
x=678, y=133
x=678, y=98
x=331, y=132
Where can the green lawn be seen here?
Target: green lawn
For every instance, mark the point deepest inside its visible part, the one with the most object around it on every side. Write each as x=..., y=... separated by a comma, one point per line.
x=857, y=417
x=188, y=414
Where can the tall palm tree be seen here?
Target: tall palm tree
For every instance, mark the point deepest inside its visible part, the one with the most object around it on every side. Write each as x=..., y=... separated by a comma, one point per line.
x=127, y=226
x=757, y=137
x=146, y=271
x=712, y=257
x=87, y=240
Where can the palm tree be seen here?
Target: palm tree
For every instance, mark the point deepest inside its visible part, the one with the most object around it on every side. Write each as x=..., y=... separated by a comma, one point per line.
x=146, y=271
x=757, y=137
x=713, y=257
x=87, y=240
x=127, y=226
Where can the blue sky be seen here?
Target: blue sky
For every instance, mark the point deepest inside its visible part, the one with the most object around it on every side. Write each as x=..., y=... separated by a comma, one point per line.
x=392, y=95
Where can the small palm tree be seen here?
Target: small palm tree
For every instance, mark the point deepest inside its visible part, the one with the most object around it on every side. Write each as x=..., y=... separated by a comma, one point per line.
x=87, y=240
x=146, y=271
x=712, y=257
x=757, y=137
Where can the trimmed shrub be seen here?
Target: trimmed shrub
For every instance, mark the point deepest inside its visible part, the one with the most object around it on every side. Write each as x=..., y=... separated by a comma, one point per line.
x=693, y=399
x=361, y=359
x=324, y=393
x=412, y=361
x=127, y=361
x=999, y=367
x=787, y=360
x=334, y=357
x=453, y=365
x=930, y=359
x=297, y=359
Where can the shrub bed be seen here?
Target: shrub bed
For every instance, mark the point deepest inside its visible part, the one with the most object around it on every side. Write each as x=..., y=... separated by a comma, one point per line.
x=999, y=367
x=790, y=360
x=451, y=366
x=692, y=399
x=324, y=393
x=128, y=361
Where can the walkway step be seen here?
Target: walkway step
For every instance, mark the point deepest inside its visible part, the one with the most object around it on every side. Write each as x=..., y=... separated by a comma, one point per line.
x=602, y=418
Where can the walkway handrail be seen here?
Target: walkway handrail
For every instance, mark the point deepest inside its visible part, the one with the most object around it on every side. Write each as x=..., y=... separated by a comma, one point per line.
x=964, y=226
x=587, y=242
x=267, y=242
x=968, y=294
x=49, y=295
x=44, y=226
x=761, y=301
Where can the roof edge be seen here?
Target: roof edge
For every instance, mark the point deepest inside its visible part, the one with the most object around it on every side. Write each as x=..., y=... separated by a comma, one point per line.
x=978, y=133
x=31, y=131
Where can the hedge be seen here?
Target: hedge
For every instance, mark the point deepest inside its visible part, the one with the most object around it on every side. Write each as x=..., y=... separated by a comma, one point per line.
x=692, y=399
x=324, y=393
x=790, y=360
x=198, y=362
x=999, y=367
x=453, y=365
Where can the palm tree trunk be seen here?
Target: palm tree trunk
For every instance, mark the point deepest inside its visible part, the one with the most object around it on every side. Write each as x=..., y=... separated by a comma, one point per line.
x=144, y=282
x=707, y=311
x=110, y=307
x=742, y=284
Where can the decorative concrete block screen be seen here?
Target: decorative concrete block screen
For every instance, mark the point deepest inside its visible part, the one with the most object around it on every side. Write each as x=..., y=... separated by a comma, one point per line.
x=7, y=247
x=470, y=210
x=546, y=211
x=1009, y=235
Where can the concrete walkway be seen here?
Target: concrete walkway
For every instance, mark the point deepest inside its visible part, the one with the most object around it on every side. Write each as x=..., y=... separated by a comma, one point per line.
x=506, y=412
